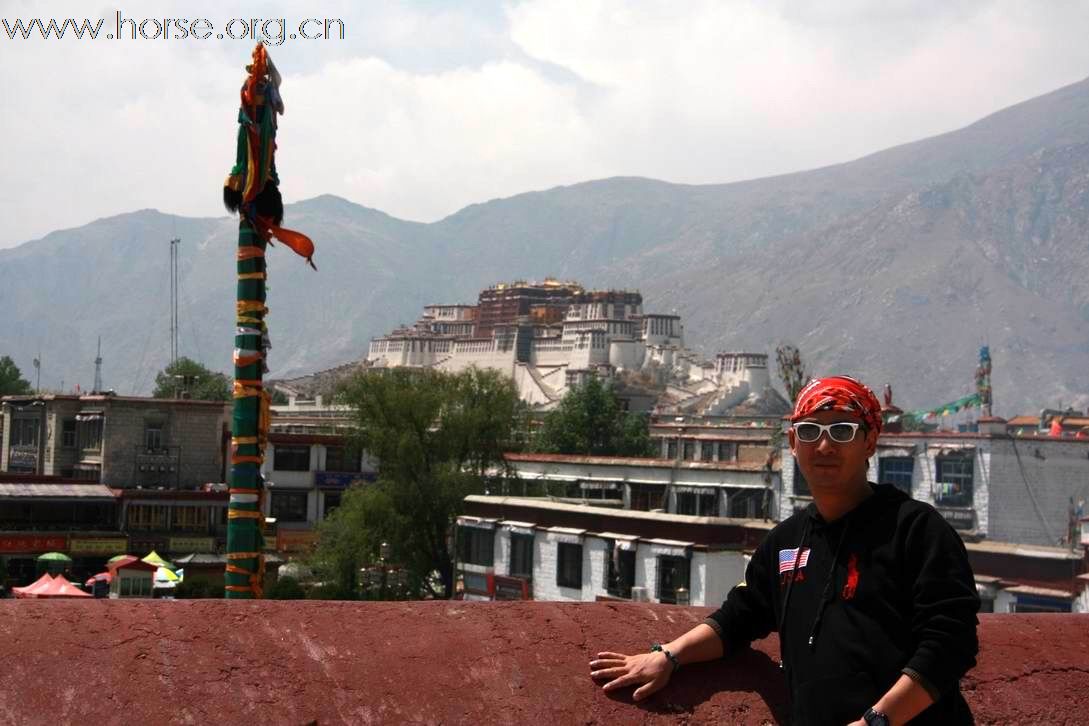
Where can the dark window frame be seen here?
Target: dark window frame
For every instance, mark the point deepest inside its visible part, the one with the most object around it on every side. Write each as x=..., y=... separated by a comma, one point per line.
x=569, y=565
x=341, y=459
x=284, y=506
x=153, y=436
x=894, y=469
x=945, y=473
x=693, y=504
x=521, y=555
x=289, y=457
x=68, y=433
x=477, y=546
x=619, y=574
x=680, y=575
x=727, y=451
x=803, y=490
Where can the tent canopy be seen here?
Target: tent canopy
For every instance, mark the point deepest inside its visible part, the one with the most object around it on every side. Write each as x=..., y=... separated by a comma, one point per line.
x=33, y=588
x=154, y=559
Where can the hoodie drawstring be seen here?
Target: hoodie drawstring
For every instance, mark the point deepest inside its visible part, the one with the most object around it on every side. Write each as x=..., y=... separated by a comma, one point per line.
x=826, y=593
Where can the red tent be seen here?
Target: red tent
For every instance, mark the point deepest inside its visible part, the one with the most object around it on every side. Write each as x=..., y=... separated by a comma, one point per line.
x=61, y=587
x=34, y=588
x=108, y=577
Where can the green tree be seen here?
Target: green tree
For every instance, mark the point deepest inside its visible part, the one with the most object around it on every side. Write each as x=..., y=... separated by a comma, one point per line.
x=792, y=370
x=12, y=382
x=286, y=588
x=591, y=420
x=186, y=376
x=436, y=437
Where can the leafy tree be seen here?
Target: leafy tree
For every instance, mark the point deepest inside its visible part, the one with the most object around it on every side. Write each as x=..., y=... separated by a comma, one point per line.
x=286, y=588
x=436, y=437
x=590, y=420
x=279, y=398
x=197, y=588
x=792, y=370
x=186, y=375
x=12, y=382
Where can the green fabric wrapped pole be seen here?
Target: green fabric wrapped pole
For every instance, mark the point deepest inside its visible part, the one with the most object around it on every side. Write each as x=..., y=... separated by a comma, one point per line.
x=251, y=189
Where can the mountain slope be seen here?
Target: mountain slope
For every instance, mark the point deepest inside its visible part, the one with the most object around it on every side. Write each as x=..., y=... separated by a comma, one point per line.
x=896, y=266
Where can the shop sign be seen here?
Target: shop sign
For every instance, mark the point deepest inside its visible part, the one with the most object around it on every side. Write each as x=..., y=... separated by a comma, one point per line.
x=19, y=543
x=23, y=456
x=295, y=540
x=511, y=588
x=99, y=545
x=960, y=518
x=144, y=545
x=341, y=479
x=190, y=545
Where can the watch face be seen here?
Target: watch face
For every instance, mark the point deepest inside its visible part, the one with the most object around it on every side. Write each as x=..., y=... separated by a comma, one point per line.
x=873, y=718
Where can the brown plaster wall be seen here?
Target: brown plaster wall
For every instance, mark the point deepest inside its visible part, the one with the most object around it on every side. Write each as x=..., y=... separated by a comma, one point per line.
x=302, y=662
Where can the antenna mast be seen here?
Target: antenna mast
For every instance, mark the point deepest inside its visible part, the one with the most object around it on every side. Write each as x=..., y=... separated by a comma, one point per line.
x=98, y=368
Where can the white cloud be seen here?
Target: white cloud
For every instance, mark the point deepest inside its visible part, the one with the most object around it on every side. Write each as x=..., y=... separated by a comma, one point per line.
x=427, y=107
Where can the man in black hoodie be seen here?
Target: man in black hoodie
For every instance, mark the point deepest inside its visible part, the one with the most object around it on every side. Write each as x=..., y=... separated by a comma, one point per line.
x=870, y=591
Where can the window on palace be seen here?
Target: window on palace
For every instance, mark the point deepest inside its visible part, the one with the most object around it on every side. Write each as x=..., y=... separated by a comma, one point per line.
x=477, y=546
x=953, y=482
x=707, y=451
x=672, y=575
x=68, y=433
x=896, y=470
x=291, y=458
x=689, y=450
x=671, y=450
x=619, y=571
x=521, y=555
x=340, y=458
x=569, y=565
x=289, y=506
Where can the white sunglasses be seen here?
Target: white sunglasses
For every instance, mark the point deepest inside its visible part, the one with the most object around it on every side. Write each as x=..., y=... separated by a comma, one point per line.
x=841, y=432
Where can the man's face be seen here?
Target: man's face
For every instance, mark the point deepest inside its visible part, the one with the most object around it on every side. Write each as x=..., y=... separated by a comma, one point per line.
x=828, y=466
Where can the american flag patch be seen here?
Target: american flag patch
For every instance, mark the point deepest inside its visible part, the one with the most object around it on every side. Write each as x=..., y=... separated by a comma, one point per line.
x=786, y=559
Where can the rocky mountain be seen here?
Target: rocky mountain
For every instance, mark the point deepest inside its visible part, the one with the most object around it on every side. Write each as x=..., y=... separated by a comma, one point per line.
x=895, y=267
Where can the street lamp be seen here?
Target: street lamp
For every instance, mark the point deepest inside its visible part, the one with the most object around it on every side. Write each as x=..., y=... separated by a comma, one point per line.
x=383, y=557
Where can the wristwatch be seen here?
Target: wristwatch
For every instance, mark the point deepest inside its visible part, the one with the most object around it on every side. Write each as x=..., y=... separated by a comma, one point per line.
x=875, y=718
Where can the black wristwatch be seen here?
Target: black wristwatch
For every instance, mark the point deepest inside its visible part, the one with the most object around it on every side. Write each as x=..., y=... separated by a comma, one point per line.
x=875, y=718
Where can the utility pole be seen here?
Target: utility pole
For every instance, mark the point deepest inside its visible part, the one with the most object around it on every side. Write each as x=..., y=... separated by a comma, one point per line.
x=174, y=244
x=38, y=376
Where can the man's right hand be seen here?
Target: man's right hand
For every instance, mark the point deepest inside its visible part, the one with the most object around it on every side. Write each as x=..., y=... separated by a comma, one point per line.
x=652, y=670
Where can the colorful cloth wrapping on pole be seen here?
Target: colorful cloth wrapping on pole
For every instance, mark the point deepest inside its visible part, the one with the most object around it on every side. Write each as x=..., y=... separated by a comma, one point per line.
x=251, y=186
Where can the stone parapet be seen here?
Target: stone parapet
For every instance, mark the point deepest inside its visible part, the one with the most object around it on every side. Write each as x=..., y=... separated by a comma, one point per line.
x=300, y=662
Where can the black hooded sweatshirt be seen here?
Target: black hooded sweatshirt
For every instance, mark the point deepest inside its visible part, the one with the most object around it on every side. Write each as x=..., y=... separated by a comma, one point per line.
x=884, y=590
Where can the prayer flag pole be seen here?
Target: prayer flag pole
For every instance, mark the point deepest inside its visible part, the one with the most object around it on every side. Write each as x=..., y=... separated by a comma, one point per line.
x=252, y=190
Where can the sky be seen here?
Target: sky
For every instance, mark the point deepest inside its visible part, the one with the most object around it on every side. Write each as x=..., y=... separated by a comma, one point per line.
x=426, y=107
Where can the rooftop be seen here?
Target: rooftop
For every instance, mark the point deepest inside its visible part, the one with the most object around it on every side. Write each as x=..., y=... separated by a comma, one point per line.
x=306, y=662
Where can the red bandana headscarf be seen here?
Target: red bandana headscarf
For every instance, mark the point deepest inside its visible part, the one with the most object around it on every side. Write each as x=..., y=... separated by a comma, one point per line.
x=839, y=393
